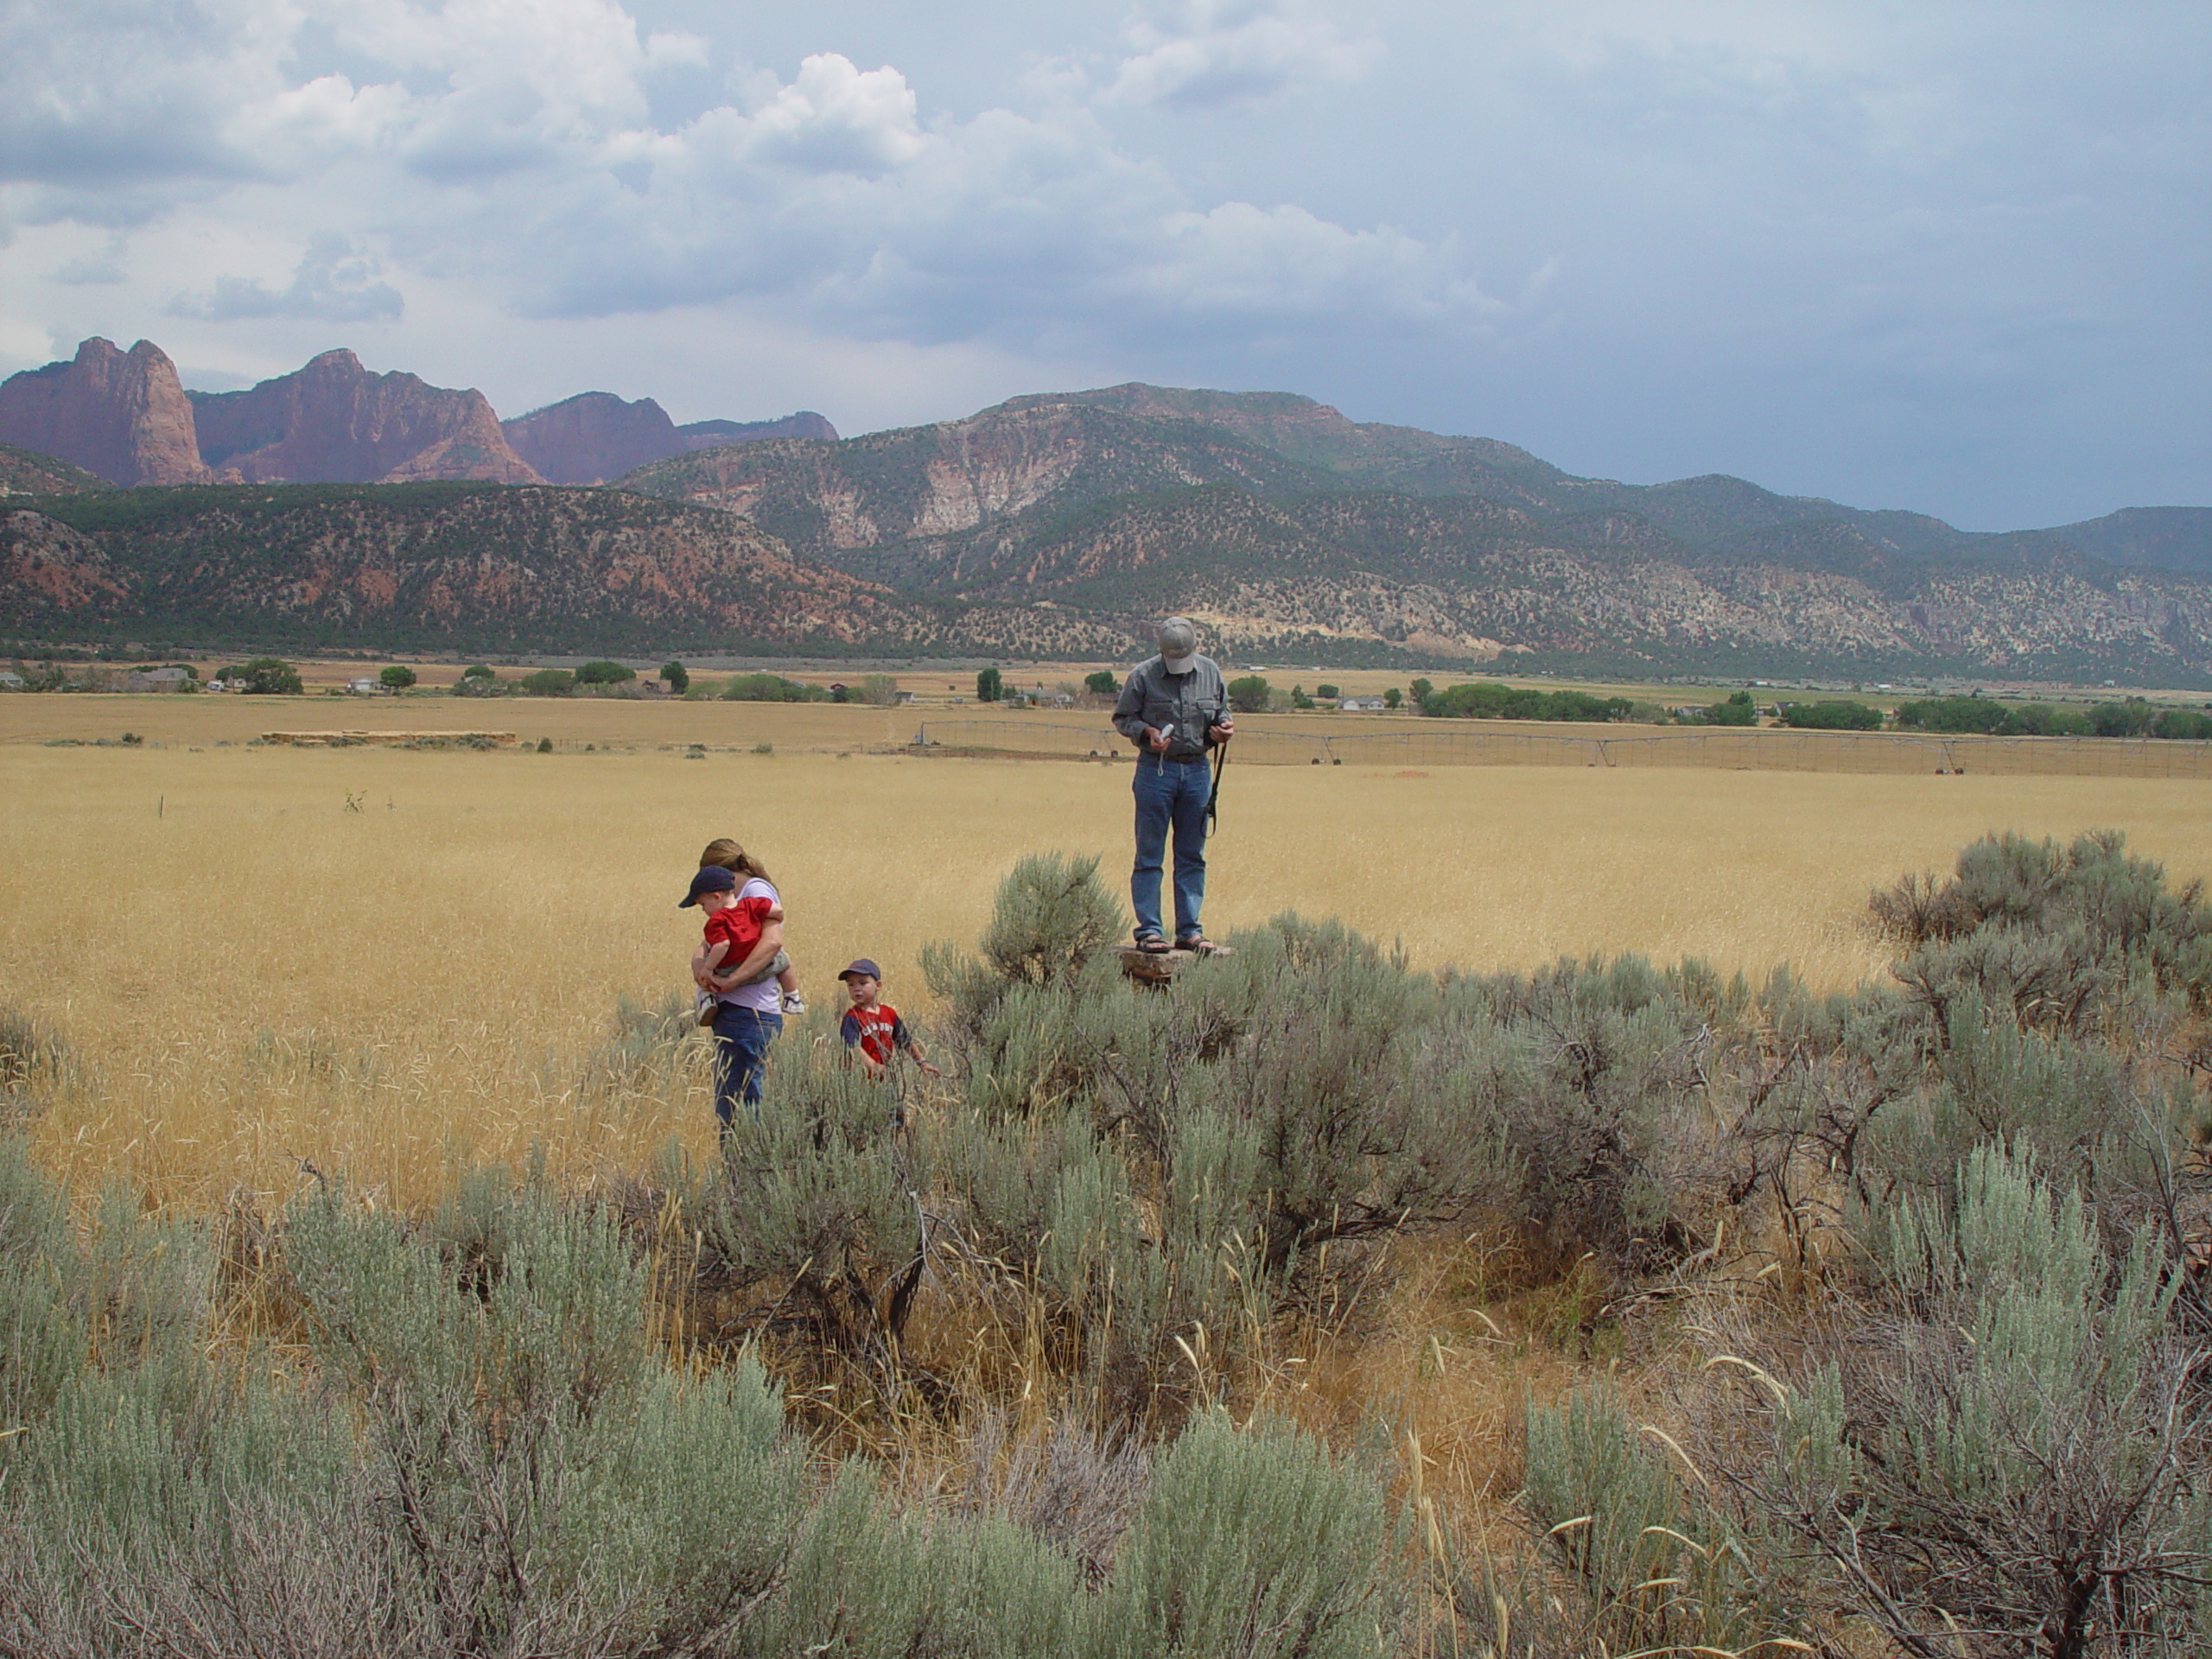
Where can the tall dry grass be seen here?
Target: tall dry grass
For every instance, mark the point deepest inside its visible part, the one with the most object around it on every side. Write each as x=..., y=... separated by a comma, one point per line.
x=248, y=971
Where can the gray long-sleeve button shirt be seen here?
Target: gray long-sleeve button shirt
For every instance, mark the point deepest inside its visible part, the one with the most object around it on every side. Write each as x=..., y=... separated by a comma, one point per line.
x=1182, y=704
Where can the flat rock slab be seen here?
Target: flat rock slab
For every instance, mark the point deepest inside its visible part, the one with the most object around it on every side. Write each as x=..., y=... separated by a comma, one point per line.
x=1157, y=968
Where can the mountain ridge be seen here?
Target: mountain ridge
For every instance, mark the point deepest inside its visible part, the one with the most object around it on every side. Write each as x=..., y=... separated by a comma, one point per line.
x=1060, y=524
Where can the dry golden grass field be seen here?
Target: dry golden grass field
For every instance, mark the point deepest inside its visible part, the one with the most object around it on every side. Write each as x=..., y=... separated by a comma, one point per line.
x=396, y=964
x=393, y=961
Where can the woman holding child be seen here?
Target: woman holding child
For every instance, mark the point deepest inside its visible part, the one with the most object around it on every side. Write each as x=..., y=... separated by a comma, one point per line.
x=745, y=981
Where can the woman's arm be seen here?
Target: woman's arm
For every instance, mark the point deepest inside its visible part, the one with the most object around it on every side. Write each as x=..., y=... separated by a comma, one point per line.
x=771, y=940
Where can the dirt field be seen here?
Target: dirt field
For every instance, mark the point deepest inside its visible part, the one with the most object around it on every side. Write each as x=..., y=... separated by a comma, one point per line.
x=391, y=960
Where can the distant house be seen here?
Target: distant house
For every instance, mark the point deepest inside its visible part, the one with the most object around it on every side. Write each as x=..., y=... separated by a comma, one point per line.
x=655, y=687
x=155, y=679
x=1360, y=705
x=902, y=696
x=10, y=681
x=365, y=686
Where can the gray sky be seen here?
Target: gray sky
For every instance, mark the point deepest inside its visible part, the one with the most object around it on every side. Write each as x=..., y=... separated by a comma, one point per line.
x=1953, y=257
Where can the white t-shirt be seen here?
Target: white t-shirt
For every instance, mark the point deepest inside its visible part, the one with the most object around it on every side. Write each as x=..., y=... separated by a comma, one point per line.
x=767, y=997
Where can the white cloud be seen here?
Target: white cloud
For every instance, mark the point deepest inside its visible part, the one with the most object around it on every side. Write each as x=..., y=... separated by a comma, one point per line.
x=512, y=143
x=1207, y=53
x=332, y=282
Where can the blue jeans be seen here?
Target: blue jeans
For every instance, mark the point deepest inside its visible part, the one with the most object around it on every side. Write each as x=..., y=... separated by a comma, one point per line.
x=741, y=1040
x=1170, y=792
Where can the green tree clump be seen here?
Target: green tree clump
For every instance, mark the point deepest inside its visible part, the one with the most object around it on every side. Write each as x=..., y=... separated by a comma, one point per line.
x=1327, y=692
x=605, y=673
x=677, y=677
x=1299, y=699
x=1393, y=697
x=398, y=677
x=1984, y=714
x=771, y=687
x=264, y=676
x=1249, y=695
x=1840, y=714
x=547, y=683
x=2134, y=717
x=1101, y=682
x=1490, y=701
x=1735, y=710
x=991, y=686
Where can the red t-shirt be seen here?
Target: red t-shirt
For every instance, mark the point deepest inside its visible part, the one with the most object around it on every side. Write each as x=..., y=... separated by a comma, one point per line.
x=741, y=924
x=878, y=1031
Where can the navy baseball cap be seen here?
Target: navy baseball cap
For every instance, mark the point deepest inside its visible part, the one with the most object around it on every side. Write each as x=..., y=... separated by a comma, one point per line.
x=860, y=965
x=712, y=878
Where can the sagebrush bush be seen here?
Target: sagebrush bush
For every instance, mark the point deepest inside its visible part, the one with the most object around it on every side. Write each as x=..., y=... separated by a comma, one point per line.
x=1653, y=1564
x=2003, y=1428
x=476, y=1445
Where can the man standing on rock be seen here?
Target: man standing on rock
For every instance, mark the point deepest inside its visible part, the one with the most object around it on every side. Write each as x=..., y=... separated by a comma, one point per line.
x=1174, y=708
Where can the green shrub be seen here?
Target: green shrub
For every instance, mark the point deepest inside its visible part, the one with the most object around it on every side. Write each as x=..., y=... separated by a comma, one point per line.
x=1103, y=683
x=398, y=677
x=677, y=677
x=602, y=672
x=1254, y=1543
x=546, y=682
x=991, y=686
x=1656, y=1566
x=2001, y=1428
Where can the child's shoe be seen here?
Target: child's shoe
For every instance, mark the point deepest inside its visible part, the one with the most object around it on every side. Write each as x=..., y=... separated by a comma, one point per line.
x=702, y=1005
x=794, y=1003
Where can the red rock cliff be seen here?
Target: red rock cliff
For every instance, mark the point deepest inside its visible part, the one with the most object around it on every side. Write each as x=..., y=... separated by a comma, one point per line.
x=122, y=414
x=592, y=436
x=334, y=421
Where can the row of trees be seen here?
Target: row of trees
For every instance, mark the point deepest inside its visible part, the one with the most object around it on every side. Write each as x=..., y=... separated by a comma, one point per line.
x=2134, y=717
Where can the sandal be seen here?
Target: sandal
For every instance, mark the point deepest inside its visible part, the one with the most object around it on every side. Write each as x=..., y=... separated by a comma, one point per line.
x=1197, y=943
x=1152, y=944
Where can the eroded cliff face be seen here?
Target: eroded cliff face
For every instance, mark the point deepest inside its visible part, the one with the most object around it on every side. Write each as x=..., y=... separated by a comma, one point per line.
x=455, y=563
x=956, y=475
x=122, y=414
x=334, y=421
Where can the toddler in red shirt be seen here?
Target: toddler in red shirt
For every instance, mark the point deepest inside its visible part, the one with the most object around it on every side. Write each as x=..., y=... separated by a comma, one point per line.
x=730, y=856
x=733, y=927
x=872, y=1026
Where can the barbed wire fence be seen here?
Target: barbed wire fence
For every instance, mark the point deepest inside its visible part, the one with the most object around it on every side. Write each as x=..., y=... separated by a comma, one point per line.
x=1438, y=743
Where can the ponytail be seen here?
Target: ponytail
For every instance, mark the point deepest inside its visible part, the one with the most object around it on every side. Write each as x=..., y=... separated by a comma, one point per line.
x=733, y=858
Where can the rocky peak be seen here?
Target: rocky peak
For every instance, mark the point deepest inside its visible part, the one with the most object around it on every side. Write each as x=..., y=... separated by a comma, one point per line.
x=334, y=422
x=122, y=414
x=592, y=436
